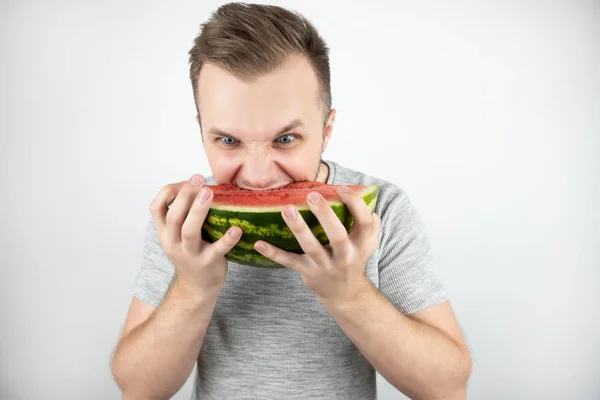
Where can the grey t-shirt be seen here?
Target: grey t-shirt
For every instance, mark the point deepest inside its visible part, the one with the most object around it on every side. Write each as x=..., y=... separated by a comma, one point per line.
x=270, y=337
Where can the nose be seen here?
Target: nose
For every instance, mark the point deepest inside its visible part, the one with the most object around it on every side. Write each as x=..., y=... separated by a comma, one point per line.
x=258, y=172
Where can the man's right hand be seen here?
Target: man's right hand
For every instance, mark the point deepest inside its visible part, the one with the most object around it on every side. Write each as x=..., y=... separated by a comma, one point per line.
x=142, y=369
x=178, y=212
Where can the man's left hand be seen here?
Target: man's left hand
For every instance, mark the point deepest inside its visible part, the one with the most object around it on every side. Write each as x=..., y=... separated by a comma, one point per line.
x=335, y=272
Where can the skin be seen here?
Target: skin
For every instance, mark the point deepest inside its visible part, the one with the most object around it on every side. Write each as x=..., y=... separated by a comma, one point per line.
x=249, y=143
x=267, y=133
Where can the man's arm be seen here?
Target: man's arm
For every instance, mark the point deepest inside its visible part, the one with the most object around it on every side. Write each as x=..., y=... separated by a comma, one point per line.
x=159, y=347
x=423, y=355
x=155, y=356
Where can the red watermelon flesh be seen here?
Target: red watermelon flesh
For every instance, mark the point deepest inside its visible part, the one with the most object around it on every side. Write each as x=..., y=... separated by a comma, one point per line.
x=294, y=193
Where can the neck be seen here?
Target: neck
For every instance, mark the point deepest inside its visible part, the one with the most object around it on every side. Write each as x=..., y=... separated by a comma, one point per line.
x=323, y=173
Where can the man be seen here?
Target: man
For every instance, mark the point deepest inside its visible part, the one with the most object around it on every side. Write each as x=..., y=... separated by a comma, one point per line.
x=320, y=327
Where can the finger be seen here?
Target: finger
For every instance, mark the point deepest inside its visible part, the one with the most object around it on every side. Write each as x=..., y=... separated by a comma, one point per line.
x=375, y=233
x=334, y=229
x=370, y=244
x=363, y=224
x=226, y=242
x=293, y=261
x=179, y=210
x=191, y=231
x=305, y=237
x=160, y=203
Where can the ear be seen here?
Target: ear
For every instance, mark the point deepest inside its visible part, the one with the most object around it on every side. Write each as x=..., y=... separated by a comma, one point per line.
x=328, y=129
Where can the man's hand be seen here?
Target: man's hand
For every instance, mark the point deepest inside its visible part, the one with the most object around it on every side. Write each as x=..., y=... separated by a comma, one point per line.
x=201, y=267
x=335, y=272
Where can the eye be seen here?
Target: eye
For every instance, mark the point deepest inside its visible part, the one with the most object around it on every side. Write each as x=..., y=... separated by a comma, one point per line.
x=227, y=141
x=286, y=139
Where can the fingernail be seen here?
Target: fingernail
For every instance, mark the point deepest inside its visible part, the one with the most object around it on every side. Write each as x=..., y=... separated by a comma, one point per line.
x=260, y=247
x=290, y=212
x=313, y=197
x=196, y=180
x=343, y=189
x=234, y=232
x=204, y=195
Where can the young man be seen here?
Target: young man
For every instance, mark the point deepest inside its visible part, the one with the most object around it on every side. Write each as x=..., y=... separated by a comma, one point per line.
x=322, y=326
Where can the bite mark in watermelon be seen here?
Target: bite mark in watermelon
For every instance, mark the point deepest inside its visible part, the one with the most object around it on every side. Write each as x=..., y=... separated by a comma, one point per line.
x=258, y=214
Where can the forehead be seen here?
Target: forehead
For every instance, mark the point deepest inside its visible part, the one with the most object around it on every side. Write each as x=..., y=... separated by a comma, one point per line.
x=259, y=105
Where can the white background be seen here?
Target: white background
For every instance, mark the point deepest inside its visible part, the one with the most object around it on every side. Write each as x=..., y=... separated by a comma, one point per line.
x=486, y=113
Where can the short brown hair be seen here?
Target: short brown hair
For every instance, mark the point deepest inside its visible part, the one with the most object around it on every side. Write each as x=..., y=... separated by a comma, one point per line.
x=253, y=39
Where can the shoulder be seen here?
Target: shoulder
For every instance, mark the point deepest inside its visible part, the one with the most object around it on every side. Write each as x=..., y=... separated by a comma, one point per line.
x=209, y=180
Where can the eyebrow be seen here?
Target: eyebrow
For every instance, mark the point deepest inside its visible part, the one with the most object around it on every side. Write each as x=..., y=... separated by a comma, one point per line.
x=297, y=123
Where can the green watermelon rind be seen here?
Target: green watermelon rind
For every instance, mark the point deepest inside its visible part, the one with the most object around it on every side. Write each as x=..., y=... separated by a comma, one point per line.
x=270, y=227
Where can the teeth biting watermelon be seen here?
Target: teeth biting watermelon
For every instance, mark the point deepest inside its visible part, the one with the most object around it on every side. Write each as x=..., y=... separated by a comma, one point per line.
x=258, y=214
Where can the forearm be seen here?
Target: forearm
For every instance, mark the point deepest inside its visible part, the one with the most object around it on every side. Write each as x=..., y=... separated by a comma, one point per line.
x=155, y=359
x=418, y=359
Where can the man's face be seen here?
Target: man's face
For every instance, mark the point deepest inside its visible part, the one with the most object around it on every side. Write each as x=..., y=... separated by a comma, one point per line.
x=264, y=133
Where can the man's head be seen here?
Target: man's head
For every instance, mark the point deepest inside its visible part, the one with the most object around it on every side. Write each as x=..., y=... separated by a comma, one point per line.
x=261, y=83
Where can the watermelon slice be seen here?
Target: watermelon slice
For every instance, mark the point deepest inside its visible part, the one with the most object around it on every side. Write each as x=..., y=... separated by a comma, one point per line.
x=258, y=214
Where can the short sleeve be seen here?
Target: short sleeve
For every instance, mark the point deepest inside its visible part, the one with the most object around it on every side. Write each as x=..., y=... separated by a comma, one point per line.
x=407, y=275
x=156, y=272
